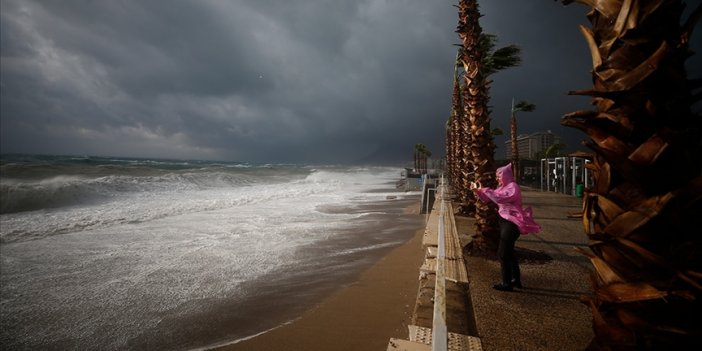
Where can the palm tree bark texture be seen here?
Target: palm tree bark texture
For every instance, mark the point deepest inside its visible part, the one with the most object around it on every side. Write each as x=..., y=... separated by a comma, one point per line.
x=457, y=157
x=643, y=214
x=449, y=151
x=462, y=174
x=476, y=122
x=452, y=157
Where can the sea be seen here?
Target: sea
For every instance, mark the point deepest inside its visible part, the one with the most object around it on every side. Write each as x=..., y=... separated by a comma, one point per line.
x=113, y=253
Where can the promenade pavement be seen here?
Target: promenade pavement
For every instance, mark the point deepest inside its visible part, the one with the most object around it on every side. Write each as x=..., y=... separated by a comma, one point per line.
x=547, y=313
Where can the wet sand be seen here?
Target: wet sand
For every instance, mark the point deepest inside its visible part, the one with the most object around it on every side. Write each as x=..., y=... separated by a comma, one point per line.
x=361, y=316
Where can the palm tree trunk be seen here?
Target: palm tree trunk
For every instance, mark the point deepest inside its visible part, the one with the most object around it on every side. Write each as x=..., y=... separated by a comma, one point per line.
x=462, y=169
x=642, y=216
x=454, y=126
x=477, y=123
x=448, y=147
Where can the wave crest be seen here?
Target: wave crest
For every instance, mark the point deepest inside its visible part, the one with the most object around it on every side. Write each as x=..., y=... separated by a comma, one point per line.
x=61, y=191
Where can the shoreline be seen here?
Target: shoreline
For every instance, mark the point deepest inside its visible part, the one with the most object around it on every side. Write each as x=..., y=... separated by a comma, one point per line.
x=363, y=315
x=213, y=267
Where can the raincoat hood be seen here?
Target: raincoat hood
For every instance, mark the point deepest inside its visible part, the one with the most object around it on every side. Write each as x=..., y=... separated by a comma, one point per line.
x=505, y=173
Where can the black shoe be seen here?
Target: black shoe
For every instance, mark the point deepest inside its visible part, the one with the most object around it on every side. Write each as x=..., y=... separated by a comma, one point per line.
x=502, y=287
x=517, y=284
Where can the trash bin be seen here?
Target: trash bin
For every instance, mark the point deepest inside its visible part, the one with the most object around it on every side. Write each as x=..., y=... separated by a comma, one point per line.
x=579, y=189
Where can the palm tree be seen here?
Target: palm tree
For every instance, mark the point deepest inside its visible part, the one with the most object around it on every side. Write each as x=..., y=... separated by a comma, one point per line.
x=495, y=61
x=522, y=106
x=476, y=121
x=642, y=215
x=479, y=61
x=421, y=153
x=461, y=173
x=425, y=156
x=458, y=160
x=458, y=143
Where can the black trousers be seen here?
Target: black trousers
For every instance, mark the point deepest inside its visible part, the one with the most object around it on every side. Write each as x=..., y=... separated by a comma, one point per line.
x=509, y=233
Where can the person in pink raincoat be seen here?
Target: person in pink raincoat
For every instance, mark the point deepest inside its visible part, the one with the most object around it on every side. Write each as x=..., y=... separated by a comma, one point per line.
x=514, y=220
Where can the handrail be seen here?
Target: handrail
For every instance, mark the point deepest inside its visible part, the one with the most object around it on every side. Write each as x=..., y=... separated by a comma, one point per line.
x=439, y=334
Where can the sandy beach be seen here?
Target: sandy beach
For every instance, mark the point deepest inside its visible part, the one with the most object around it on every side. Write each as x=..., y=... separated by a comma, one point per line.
x=360, y=316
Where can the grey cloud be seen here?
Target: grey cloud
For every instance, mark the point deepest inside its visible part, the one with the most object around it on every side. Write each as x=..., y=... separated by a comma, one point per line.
x=268, y=81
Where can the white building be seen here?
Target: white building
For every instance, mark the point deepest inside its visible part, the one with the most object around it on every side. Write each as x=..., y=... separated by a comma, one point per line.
x=531, y=144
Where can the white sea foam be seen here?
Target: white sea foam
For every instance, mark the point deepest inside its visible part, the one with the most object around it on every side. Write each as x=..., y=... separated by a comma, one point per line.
x=99, y=274
x=142, y=199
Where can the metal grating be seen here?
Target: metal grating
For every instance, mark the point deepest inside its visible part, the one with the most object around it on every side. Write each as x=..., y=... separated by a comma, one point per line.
x=419, y=334
x=456, y=342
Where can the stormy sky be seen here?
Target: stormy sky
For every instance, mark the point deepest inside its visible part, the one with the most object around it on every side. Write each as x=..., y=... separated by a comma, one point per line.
x=315, y=81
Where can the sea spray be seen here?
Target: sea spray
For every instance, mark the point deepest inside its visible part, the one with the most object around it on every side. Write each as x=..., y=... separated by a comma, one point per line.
x=111, y=253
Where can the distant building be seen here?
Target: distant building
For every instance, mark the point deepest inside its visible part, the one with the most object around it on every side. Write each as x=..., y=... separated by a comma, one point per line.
x=531, y=146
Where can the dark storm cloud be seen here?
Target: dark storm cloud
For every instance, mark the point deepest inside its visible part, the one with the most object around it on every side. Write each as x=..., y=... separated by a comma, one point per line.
x=253, y=80
x=555, y=60
x=263, y=80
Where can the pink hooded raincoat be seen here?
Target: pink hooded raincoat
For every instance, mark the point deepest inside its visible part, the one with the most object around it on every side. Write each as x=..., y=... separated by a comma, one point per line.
x=508, y=198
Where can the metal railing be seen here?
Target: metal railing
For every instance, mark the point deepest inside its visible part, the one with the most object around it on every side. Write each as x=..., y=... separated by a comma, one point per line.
x=439, y=334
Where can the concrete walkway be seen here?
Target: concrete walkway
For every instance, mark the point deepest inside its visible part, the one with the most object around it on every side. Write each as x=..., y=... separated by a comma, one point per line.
x=547, y=313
